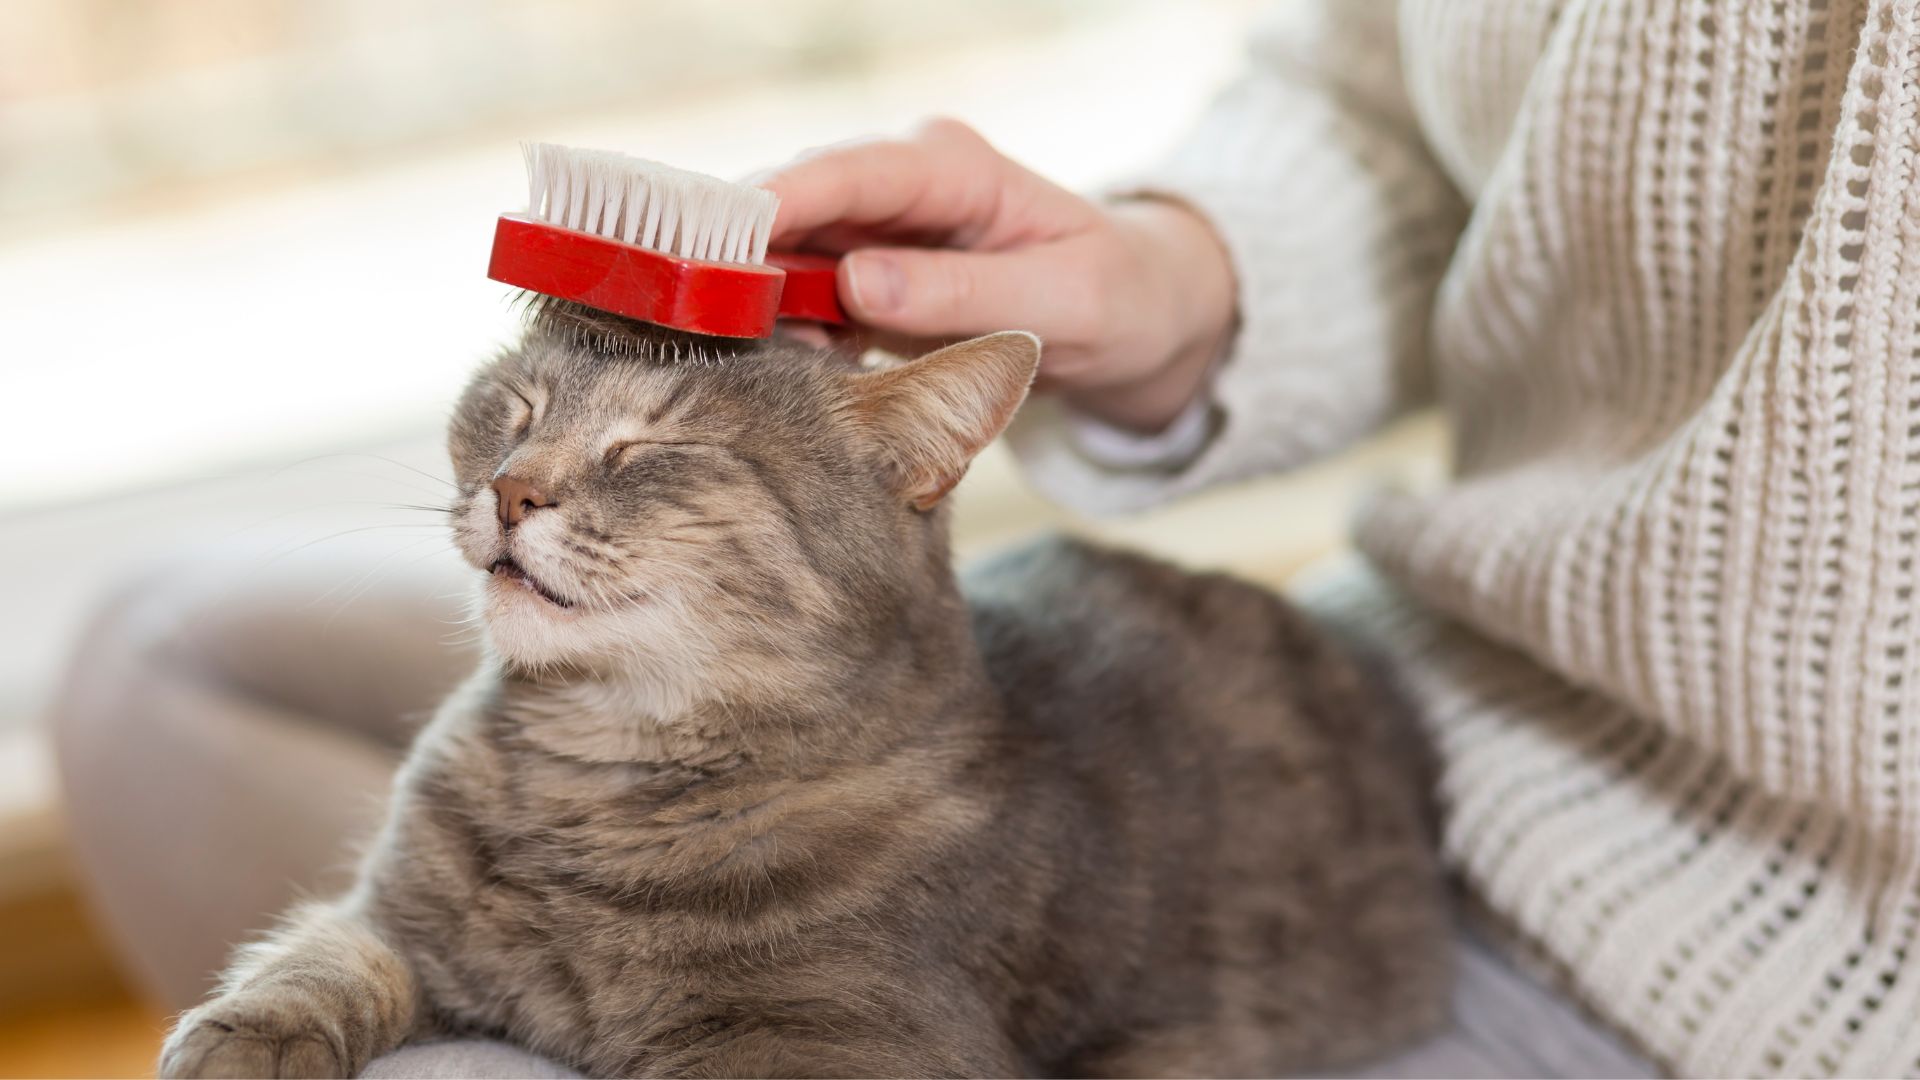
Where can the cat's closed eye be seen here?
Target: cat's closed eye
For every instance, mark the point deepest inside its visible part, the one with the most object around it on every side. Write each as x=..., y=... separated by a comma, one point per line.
x=524, y=410
x=616, y=453
x=620, y=451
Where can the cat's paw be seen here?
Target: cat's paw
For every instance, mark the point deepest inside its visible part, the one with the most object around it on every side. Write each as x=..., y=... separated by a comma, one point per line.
x=255, y=1034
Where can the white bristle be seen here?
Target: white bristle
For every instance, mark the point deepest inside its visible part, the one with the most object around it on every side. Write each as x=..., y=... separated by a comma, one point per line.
x=643, y=202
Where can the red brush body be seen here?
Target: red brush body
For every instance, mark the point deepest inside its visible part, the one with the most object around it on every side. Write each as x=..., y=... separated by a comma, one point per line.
x=630, y=210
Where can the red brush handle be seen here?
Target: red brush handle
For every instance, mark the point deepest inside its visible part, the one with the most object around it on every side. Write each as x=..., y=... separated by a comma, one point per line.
x=812, y=291
x=695, y=295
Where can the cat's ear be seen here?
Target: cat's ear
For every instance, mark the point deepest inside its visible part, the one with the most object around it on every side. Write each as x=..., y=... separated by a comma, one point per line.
x=932, y=415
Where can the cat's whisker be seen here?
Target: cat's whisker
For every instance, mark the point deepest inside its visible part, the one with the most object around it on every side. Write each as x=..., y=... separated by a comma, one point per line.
x=268, y=521
x=359, y=476
x=578, y=548
x=357, y=586
x=382, y=458
x=276, y=556
x=469, y=618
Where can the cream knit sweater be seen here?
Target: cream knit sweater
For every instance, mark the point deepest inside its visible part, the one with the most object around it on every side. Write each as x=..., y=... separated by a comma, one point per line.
x=1660, y=261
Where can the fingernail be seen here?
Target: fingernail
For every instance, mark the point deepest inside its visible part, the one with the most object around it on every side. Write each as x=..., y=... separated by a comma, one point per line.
x=876, y=282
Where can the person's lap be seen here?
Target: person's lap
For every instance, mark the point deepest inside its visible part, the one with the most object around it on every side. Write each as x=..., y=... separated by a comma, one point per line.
x=224, y=746
x=1504, y=1025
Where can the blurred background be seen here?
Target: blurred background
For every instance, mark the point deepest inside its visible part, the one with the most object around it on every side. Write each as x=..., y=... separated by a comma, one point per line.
x=242, y=251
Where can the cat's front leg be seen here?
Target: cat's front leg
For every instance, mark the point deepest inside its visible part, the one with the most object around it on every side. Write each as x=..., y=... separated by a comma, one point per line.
x=318, y=998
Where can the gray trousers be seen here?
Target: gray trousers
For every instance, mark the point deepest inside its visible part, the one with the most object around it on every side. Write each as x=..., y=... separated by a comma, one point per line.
x=226, y=738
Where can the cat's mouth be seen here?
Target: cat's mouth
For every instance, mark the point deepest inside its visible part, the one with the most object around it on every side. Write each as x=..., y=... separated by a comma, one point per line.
x=506, y=569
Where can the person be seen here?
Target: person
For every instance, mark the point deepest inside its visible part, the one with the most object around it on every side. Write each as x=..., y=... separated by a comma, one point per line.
x=1659, y=263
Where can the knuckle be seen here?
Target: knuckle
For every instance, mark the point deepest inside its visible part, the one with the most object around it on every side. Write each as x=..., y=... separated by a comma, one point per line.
x=828, y=151
x=823, y=164
x=948, y=131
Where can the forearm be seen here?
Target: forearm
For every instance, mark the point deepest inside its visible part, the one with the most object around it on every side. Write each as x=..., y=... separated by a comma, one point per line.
x=1334, y=224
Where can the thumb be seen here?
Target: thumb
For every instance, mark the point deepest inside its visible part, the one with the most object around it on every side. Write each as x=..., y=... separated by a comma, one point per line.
x=934, y=292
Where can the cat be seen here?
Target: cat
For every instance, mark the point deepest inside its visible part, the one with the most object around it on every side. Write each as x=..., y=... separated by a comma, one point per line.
x=748, y=785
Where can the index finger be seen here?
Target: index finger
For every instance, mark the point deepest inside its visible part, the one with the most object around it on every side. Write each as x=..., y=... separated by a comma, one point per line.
x=907, y=184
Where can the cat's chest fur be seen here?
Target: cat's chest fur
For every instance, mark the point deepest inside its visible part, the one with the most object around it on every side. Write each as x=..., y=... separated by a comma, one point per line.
x=609, y=912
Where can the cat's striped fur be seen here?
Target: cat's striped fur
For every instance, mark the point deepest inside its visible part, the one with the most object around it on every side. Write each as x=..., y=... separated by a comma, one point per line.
x=750, y=786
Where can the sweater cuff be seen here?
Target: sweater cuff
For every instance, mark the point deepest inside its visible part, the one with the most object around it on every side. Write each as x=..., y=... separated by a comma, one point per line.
x=1122, y=450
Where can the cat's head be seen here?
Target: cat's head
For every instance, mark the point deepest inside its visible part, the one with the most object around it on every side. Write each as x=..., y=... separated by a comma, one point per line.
x=701, y=522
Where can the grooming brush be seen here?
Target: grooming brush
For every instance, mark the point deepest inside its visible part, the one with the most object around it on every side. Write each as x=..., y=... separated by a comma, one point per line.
x=667, y=246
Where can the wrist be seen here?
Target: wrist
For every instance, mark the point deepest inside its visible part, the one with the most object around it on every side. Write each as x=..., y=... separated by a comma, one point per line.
x=1190, y=311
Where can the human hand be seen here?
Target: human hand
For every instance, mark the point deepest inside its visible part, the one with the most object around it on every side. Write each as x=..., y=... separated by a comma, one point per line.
x=945, y=238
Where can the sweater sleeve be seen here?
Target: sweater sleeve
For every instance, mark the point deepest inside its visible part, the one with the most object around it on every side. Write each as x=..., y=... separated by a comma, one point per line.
x=1339, y=225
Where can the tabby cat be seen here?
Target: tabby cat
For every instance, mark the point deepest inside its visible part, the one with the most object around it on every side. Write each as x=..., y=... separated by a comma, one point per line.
x=749, y=785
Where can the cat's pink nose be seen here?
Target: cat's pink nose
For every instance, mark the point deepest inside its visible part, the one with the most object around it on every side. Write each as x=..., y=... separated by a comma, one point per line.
x=517, y=499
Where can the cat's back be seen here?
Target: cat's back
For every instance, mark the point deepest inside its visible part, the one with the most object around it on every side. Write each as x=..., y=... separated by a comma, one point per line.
x=1254, y=768
x=1109, y=652
x=1071, y=630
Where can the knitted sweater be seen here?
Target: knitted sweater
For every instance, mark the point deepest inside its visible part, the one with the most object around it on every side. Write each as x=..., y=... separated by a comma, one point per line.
x=1660, y=261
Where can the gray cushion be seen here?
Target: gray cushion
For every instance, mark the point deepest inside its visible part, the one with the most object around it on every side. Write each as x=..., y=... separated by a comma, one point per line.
x=482, y=1059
